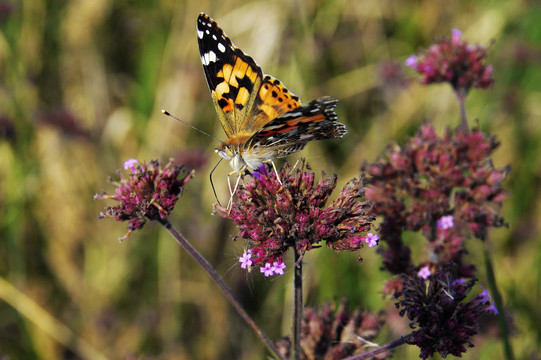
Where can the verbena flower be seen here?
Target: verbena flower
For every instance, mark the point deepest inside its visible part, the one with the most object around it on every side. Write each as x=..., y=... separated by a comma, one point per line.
x=149, y=192
x=274, y=215
x=268, y=269
x=130, y=164
x=278, y=267
x=446, y=222
x=245, y=259
x=438, y=309
x=424, y=272
x=447, y=181
x=455, y=61
x=332, y=335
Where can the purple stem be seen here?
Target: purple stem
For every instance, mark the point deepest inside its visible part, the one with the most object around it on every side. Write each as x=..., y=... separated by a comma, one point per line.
x=222, y=286
x=461, y=98
x=297, y=306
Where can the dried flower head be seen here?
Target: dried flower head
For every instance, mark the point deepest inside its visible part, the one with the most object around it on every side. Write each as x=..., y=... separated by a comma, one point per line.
x=444, y=186
x=438, y=309
x=147, y=193
x=326, y=335
x=455, y=61
x=275, y=214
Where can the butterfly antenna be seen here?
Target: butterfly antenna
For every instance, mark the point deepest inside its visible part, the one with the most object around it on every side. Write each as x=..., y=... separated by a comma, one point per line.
x=190, y=125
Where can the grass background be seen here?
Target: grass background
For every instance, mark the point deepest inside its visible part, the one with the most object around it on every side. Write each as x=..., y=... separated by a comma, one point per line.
x=82, y=84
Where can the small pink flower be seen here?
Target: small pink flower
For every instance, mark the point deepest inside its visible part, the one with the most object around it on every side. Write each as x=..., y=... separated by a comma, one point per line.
x=372, y=239
x=456, y=36
x=279, y=267
x=424, y=272
x=245, y=259
x=411, y=62
x=446, y=222
x=267, y=270
x=485, y=298
x=130, y=164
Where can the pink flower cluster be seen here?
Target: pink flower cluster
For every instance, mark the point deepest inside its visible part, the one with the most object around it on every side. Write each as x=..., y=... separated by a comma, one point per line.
x=275, y=214
x=148, y=193
x=454, y=61
x=444, y=186
x=333, y=335
x=438, y=308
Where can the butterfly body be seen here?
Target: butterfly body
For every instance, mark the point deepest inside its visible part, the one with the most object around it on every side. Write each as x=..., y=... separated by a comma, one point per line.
x=261, y=118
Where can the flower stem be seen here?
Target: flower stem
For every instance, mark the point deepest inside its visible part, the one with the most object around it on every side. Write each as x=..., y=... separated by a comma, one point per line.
x=222, y=286
x=393, y=344
x=502, y=324
x=461, y=98
x=297, y=306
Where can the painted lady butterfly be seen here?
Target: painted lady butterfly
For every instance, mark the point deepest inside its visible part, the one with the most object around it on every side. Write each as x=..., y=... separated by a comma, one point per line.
x=261, y=118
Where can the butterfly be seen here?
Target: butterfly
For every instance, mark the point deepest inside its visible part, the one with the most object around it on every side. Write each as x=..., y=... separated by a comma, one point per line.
x=261, y=118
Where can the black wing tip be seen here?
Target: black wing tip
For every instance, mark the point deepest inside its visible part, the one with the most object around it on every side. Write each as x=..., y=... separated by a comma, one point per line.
x=328, y=103
x=204, y=21
x=340, y=130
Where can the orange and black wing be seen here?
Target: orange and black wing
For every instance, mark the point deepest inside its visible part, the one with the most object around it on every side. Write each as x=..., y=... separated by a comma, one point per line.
x=245, y=98
x=290, y=132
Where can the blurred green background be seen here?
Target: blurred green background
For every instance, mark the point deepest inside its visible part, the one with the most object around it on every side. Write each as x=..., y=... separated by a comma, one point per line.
x=82, y=85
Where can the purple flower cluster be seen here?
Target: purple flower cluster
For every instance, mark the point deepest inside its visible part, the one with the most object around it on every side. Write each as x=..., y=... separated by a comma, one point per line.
x=437, y=307
x=454, y=61
x=445, y=187
x=326, y=335
x=148, y=193
x=275, y=214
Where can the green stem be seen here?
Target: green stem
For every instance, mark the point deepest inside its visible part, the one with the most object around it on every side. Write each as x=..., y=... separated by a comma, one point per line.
x=222, y=286
x=297, y=306
x=508, y=350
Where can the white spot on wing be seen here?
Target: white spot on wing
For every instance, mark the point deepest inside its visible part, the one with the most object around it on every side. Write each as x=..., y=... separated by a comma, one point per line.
x=199, y=34
x=292, y=114
x=221, y=47
x=208, y=58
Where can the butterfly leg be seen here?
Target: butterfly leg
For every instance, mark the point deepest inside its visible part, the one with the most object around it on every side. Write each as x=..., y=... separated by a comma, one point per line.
x=234, y=190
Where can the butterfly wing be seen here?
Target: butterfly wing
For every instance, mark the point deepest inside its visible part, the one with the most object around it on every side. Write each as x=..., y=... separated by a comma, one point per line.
x=315, y=120
x=290, y=132
x=244, y=98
